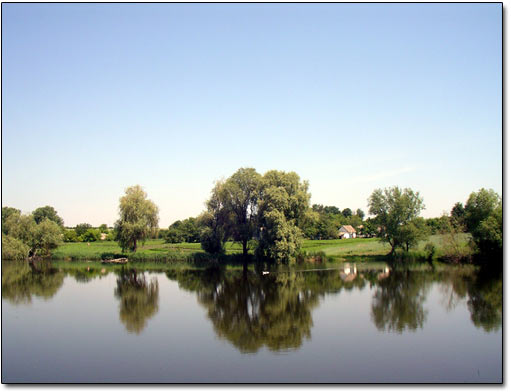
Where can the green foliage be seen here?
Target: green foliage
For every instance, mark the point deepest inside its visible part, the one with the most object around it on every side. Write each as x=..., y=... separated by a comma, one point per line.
x=183, y=231
x=103, y=228
x=70, y=236
x=483, y=218
x=310, y=224
x=360, y=213
x=47, y=212
x=370, y=228
x=458, y=215
x=162, y=233
x=394, y=209
x=412, y=232
x=480, y=206
x=138, y=218
x=13, y=248
x=240, y=195
x=282, y=210
x=436, y=225
x=6, y=213
x=39, y=238
x=215, y=222
x=91, y=235
x=455, y=248
x=331, y=210
x=347, y=212
x=47, y=236
x=81, y=228
x=430, y=249
x=280, y=239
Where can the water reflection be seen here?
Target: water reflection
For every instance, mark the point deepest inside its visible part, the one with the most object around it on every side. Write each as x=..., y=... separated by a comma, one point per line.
x=21, y=281
x=138, y=299
x=398, y=303
x=485, y=301
x=252, y=310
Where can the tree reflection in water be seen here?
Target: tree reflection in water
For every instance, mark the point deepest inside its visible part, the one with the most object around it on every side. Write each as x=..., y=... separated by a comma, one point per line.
x=22, y=280
x=398, y=302
x=485, y=301
x=138, y=299
x=251, y=310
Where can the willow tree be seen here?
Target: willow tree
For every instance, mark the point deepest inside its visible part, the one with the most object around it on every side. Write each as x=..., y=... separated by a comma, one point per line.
x=282, y=211
x=138, y=218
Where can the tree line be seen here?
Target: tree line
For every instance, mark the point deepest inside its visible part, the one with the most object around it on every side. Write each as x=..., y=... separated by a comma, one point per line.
x=269, y=214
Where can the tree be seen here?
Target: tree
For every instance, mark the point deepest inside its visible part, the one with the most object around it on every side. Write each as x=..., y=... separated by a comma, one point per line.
x=360, y=213
x=240, y=195
x=215, y=222
x=138, y=218
x=331, y=210
x=183, y=231
x=70, y=236
x=47, y=236
x=394, y=208
x=91, y=235
x=281, y=212
x=103, y=228
x=483, y=218
x=412, y=232
x=458, y=214
x=6, y=213
x=47, y=212
x=347, y=212
x=81, y=228
x=480, y=206
x=13, y=249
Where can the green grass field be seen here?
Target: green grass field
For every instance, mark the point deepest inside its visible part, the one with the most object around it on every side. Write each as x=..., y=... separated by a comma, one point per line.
x=158, y=250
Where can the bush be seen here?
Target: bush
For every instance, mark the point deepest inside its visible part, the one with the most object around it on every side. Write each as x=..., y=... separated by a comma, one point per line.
x=13, y=249
x=70, y=236
x=91, y=235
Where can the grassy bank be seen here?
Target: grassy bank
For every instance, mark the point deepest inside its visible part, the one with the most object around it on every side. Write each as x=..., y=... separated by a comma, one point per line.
x=358, y=249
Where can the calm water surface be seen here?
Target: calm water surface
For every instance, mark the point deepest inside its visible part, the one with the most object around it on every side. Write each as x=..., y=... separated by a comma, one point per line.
x=355, y=324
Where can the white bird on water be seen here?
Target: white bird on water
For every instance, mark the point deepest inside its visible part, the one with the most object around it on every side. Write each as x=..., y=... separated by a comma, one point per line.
x=265, y=272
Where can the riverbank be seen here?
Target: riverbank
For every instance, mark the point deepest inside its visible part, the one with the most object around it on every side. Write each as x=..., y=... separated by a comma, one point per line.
x=327, y=251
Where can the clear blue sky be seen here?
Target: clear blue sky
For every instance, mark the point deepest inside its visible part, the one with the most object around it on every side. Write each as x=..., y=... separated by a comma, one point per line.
x=353, y=97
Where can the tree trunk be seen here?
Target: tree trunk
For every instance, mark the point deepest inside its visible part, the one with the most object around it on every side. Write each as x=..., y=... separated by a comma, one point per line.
x=245, y=249
x=135, y=245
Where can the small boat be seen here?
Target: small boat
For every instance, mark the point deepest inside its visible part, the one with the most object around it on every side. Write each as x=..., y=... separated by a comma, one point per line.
x=122, y=260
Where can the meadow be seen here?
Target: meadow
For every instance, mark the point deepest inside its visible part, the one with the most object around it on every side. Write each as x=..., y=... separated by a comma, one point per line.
x=156, y=250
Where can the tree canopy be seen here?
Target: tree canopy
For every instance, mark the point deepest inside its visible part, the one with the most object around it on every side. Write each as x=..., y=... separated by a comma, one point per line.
x=23, y=237
x=483, y=218
x=47, y=212
x=138, y=218
x=396, y=210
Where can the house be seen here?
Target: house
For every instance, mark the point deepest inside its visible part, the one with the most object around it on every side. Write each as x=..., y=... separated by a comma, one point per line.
x=349, y=273
x=347, y=231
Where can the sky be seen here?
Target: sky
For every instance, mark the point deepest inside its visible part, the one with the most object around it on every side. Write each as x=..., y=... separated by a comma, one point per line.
x=352, y=97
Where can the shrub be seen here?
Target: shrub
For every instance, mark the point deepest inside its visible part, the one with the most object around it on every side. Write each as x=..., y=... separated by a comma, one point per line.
x=70, y=236
x=91, y=235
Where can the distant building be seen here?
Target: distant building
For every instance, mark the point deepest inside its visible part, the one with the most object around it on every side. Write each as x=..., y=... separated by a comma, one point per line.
x=103, y=236
x=347, y=231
